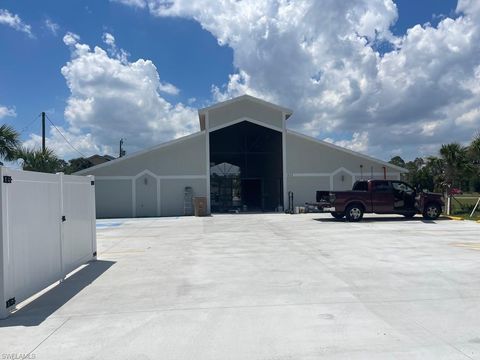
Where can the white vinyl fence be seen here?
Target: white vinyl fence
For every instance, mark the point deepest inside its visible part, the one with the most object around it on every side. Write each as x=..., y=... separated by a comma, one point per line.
x=47, y=230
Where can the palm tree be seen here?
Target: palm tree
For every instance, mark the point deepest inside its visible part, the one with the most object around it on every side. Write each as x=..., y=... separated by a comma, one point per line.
x=9, y=142
x=435, y=166
x=474, y=148
x=455, y=162
x=38, y=160
x=474, y=156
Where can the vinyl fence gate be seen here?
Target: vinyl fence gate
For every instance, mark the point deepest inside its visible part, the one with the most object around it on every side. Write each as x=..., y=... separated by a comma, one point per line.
x=47, y=231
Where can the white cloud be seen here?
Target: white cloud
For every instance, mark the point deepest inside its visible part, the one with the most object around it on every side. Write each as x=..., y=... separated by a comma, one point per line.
x=52, y=26
x=113, y=98
x=115, y=52
x=358, y=142
x=71, y=39
x=14, y=21
x=83, y=143
x=6, y=111
x=135, y=3
x=109, y=39
x=319, y=58
x=470, y=7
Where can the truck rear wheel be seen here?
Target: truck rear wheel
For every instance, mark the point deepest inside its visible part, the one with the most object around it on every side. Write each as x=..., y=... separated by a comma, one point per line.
x=354, y=213
x=337, y=215
x=432, y=211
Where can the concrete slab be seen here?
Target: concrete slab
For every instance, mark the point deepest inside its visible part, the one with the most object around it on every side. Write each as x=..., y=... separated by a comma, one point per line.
x=268, y=286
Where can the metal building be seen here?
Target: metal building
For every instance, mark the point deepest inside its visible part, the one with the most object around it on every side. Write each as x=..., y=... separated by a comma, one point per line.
x=243, y=159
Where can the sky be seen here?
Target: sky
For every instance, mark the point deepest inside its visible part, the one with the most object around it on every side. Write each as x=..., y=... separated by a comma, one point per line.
x=383, y=77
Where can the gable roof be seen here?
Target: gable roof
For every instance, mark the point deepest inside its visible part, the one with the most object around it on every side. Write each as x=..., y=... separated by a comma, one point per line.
x=246, y=97
x=202, y=112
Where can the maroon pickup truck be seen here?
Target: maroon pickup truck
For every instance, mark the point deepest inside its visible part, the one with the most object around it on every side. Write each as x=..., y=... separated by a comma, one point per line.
x=381, y=197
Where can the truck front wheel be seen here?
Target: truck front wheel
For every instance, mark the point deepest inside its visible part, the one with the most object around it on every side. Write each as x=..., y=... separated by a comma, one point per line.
x=432, y=211
x=354, y=213
x=337, y=215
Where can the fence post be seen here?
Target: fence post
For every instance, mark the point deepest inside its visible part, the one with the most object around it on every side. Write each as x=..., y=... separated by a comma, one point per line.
x=475, y=207
x=3, y=300
x=62, y=269
x=93, y=217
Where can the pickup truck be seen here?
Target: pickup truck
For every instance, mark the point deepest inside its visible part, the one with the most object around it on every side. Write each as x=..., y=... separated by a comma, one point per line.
x=380, y=197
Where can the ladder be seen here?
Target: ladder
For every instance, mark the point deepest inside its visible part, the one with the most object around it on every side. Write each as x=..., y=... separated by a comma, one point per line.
x=188, y=201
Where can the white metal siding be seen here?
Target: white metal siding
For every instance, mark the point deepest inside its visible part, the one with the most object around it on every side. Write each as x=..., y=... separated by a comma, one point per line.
x=172, y=194
x=181, y=157
x=245, y=109
x=308, y=156
x=114, y=198
x=304, y=188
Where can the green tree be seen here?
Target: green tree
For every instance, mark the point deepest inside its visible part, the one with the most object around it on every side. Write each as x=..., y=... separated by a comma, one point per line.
x=424, y=179
x=9, y=142
x=455, y=163
x=41, y=161
x=474, y=148
x=416, y=176
x=77, y=164
x=474, y=159
x=398, y=161
x=436, y=169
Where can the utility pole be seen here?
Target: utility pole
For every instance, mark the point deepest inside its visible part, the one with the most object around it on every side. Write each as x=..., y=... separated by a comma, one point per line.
x=43, y=131
x=121, y=152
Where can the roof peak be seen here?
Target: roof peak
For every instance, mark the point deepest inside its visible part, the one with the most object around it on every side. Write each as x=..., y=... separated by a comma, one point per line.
x=246, y=97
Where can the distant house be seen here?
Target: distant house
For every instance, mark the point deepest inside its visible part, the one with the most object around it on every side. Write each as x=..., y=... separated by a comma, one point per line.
x=99, y=159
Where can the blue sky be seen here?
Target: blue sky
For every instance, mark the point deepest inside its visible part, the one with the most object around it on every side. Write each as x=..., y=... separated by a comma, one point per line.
x=185, y=50
x=411, y=13
x=30, y=75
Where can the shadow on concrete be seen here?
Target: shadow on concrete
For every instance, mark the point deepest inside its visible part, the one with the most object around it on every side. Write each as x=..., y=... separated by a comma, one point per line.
x=41, y=308
x=385, y=219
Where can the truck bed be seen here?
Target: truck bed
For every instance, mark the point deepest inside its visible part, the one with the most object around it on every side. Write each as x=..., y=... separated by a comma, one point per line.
x=325, y=196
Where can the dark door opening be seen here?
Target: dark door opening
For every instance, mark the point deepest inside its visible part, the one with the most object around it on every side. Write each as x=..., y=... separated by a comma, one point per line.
x=246, y=169
x=252, y=194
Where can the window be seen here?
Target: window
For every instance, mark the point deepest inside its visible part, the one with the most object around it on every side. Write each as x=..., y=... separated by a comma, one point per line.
x=402, y=187
x=246, y=171
x=381, y=186
x=360, y=186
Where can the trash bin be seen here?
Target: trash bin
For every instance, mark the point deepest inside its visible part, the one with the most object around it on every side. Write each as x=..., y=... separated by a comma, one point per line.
x=200, y=205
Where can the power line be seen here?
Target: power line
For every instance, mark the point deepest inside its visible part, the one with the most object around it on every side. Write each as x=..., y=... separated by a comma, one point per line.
x=29, y=124
x=68, y=142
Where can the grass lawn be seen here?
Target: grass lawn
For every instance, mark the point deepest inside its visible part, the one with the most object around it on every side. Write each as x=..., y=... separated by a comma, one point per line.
x=462, y=206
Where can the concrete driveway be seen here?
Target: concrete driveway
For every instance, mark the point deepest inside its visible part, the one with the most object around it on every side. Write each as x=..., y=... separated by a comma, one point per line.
x=267, y=286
